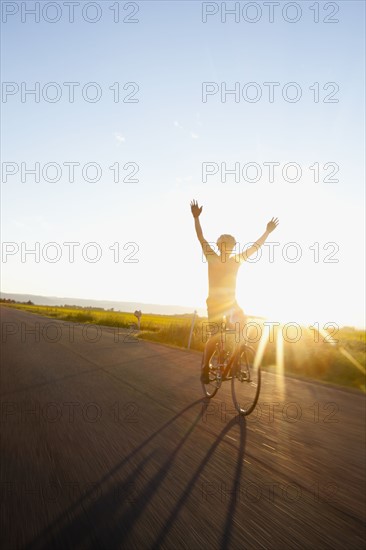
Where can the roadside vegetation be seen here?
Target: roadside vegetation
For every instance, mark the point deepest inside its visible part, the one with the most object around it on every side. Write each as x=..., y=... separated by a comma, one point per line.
x=313, y=355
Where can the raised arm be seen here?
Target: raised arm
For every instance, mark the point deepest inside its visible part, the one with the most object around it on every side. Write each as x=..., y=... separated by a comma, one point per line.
x=196, y=211
x=271, y=226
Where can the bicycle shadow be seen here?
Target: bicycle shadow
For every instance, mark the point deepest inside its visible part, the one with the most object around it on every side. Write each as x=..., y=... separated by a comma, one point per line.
x=106, y=521
x=226, y=535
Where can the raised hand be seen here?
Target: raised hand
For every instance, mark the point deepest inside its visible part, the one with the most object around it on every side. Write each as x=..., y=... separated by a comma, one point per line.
x=271, y=226
x=195, y=209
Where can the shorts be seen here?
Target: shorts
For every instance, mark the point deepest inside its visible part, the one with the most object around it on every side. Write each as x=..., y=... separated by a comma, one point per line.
x=216, y=309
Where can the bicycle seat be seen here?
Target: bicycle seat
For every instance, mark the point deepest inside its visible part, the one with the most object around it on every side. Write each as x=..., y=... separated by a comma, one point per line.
x=232, y=317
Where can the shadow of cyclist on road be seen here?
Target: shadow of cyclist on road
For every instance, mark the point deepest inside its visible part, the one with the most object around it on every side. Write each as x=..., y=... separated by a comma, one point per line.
x=108, y=514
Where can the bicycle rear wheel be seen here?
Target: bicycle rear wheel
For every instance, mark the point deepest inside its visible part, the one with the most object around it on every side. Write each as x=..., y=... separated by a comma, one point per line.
x=246, y=381
x=214, y=375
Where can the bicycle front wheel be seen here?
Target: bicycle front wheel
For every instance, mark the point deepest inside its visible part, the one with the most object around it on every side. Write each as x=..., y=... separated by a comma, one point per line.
x=246, y=381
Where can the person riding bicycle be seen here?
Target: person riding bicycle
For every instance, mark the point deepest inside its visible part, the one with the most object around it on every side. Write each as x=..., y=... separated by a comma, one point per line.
x=222, y=272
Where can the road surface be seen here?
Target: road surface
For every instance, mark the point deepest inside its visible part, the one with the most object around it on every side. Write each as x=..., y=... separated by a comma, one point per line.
x=108, y=443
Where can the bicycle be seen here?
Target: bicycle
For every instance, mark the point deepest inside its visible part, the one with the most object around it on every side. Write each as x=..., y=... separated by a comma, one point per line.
x=235, y=362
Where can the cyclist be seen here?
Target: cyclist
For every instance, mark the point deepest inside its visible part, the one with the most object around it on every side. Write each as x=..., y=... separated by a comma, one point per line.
x=222, y=272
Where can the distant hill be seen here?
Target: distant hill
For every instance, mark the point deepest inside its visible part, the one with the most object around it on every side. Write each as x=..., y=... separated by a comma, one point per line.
x=105, y=304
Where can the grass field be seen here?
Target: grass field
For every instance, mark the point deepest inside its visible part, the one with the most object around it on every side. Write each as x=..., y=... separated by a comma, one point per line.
x=311, y=356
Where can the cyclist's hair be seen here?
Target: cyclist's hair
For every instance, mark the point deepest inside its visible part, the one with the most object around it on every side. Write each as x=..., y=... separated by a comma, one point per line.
x=226, y=238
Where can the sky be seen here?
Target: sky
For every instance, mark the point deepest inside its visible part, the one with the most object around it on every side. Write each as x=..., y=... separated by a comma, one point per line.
x=149, y=97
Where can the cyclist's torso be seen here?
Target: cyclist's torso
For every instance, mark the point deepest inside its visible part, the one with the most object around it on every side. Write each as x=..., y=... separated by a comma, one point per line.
x=222, y=273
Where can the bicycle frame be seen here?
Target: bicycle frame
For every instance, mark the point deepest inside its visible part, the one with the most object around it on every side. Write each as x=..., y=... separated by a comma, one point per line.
x=223, y=353
x=239, y=368
x=222, y=349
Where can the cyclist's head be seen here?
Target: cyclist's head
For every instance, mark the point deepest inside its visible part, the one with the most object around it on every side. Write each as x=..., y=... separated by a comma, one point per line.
x=226, y=243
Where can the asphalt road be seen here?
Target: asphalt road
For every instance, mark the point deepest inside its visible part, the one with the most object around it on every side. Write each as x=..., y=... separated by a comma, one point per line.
x=109, y=444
